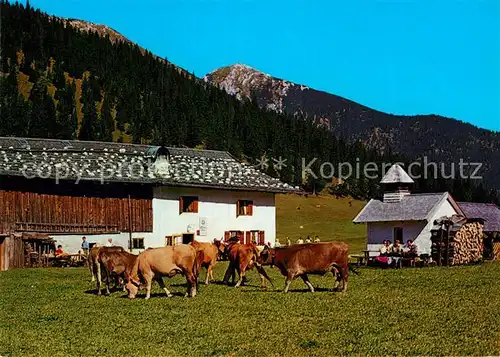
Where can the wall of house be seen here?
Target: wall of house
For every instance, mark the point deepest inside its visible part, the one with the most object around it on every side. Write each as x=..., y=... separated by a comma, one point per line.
x=379, y=231
x=217, y=207
x=423, y=240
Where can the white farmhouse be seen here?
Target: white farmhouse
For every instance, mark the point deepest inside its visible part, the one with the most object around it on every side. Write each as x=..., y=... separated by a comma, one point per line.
x=140, y=196
x=402, y=215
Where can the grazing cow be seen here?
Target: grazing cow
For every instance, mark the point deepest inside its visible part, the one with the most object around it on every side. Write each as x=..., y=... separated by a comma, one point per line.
x=167, y=261
x=315, y=258
x=243, y=257
x=95, y=264
x=210, y=252
x=116, y=264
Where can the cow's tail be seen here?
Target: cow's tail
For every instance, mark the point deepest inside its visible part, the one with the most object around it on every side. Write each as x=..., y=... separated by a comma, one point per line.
x=200, y=256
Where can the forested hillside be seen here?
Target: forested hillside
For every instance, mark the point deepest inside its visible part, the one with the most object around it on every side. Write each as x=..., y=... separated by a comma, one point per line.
x=58, y=81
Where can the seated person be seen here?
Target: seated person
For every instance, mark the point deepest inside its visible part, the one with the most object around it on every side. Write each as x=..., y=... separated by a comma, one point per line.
x=384, y=251
x=396, y=251
x=396, y=248
x=60, y=252
x=411, y=249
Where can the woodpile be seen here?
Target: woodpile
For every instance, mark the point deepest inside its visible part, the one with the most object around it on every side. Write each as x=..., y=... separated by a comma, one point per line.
x=456, y=241
x=468, y=243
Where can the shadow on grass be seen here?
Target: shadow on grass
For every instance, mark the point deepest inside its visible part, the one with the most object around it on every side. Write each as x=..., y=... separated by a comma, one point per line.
x=280, y=290
x=111, y=290
x=142, y=296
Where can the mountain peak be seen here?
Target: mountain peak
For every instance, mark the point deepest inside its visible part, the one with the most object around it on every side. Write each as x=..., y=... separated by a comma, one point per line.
x=245, y=82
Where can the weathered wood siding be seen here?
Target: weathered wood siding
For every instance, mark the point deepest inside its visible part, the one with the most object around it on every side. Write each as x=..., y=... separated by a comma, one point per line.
x=64, y=209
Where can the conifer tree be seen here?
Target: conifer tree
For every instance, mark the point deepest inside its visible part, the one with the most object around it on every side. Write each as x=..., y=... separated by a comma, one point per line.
x=89, y=119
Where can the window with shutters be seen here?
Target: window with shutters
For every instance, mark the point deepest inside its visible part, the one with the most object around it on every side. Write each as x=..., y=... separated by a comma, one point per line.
x=252, y=237
x=244, y=208
x=188, y=204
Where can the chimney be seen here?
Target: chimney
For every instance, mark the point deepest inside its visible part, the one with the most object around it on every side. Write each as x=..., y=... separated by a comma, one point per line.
x=396, y=183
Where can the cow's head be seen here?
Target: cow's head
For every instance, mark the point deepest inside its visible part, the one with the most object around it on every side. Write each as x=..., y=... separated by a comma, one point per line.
x=220, y=246
x=266, y=257
x=133, y=288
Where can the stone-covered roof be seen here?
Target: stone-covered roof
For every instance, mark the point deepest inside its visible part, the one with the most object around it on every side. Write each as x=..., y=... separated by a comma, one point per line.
x=414, y=207
x=487, y=211
x=119, y=162
x=396, y=174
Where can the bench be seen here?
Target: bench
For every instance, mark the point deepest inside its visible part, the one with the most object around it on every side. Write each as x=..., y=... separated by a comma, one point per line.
x=360, y=258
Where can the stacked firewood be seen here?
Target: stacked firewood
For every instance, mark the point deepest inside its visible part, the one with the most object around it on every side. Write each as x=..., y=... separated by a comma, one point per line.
x=468, y=243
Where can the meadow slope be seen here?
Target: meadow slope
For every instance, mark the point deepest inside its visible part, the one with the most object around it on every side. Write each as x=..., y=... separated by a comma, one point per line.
x=326, y=216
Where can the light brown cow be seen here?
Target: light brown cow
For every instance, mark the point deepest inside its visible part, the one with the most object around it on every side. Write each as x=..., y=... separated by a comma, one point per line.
x=95, y=263
x=210, y=252
x=243, y=257
x=167, y=261
x=316, y=258
x=116, y=265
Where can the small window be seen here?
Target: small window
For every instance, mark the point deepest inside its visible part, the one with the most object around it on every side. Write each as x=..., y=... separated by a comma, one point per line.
x=398, y=234
x=137, y=243
x=188, y=204
x=244, y=208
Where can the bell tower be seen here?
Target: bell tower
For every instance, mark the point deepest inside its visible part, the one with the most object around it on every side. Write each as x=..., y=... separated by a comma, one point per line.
x=396, y=184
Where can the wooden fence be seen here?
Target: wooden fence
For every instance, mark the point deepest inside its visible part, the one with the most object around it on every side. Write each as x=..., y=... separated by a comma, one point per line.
x=11, y=252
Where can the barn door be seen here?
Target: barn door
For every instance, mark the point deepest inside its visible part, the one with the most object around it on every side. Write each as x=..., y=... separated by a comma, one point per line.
x=248, y=237
x=240, y=237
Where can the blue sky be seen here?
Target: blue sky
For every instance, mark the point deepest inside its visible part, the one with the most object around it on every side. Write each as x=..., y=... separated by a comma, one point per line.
x=398, y=56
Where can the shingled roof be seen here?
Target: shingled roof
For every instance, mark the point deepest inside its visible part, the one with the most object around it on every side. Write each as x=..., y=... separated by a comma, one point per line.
x=118, y=162
x=396, y=174
x=414, y=207
x=487, y=211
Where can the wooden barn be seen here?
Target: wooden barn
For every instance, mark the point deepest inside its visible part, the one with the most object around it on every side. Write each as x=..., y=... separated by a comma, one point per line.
x=139, y=195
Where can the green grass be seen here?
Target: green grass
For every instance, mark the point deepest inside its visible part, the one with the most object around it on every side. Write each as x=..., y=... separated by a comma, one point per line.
x=419, y=311
x=325, y=216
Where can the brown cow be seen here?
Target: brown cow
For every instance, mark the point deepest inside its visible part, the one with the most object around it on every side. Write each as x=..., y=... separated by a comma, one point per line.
x=243, y=257
x=165, y=261
x=95, y=263
x=116, y=264
x=316, y=258
x=210, y=252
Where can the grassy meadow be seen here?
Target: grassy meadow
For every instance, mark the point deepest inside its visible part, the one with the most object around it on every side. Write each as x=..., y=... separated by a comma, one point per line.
x=412, y=311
